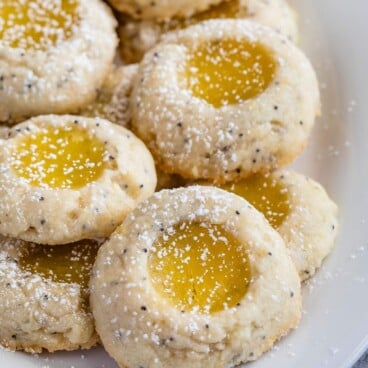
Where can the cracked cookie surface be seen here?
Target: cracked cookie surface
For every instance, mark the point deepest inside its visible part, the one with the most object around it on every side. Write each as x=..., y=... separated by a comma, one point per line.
x=153, y=304
x=67, y=178
x=41, y=306
x=213, y=101
x=54, y=55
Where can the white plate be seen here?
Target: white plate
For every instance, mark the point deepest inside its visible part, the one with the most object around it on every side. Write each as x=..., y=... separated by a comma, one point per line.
x=334, y=329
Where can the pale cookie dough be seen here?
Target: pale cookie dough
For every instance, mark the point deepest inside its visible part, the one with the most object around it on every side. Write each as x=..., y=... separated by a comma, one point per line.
x=58, y=214
x=310, y=229
x=140, y=328
x=37, y=313
x=299, y=209
x=195, y=139
x=4, y=131
x=137, y=37
x=59, y=76
x=161, y=9
x=112, y=102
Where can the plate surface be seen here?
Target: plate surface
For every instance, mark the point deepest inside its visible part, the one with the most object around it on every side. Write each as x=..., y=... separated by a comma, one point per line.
x=334, y=329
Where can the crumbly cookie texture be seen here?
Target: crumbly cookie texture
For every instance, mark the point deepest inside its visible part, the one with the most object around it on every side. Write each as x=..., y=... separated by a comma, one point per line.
x=139, y=327
x=311, y=227
x=52, y=214
x=137, y=37
x=161, y=9
x=37, y=313
x=196, y=139
x=112, y=102
x=59, y=75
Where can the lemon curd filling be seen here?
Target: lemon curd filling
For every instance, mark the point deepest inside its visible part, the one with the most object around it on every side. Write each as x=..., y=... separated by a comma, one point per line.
x=226, y=72
x=200, y=267
x=63, y=158
x=266, y=195
x=226, y=9
x=69, y=263
x=37, y=24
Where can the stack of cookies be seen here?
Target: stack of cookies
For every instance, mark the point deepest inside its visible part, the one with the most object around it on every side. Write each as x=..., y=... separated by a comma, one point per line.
x=66, y=181
x=207, y=271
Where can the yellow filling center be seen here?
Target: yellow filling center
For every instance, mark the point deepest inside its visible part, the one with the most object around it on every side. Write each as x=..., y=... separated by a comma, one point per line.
x=226, y=9
x=37, y=24
x=61, y=158
x=265, y=194
x=69, y=263
x=226, y=72
x=200, y=267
